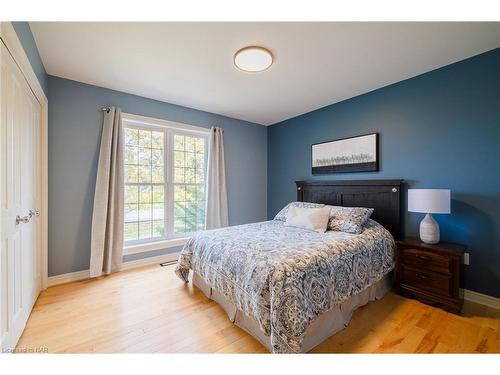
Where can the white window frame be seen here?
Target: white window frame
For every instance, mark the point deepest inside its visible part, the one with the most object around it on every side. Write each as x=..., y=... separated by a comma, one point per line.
x=169, y=128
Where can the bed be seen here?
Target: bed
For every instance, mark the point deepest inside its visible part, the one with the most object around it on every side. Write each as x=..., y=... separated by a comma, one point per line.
x=292, y=288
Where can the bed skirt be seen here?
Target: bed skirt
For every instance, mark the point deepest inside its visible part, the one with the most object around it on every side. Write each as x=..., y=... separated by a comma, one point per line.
x=324, y=326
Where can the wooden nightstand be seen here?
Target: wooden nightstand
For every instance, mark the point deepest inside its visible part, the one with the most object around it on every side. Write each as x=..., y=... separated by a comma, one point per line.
x=430, y=273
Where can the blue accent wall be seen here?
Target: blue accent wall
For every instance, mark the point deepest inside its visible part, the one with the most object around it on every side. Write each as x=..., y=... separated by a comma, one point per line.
x=25, y=36
x=75, y=123
x=437, y=130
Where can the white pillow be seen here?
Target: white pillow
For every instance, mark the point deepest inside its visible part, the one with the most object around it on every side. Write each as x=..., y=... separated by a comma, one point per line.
x=308, y=218
x=281, y=216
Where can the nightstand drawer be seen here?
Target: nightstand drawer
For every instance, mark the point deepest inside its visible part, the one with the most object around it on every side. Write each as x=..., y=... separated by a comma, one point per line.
x=429, y=281
x=425, y=259
x=431, y=273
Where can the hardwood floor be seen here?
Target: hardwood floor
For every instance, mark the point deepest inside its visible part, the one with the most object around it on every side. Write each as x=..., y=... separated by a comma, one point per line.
x=150, y=310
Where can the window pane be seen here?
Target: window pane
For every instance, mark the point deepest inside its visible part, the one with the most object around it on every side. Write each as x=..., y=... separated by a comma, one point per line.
x=157, y=175
x=189, y=184
x=145, y=194
x=158, y=194
x=131, y=136
x=201, y=192
x=189, y=144
x=179, y=193
x=157, y=140
x=131, y=231
x=131, y=155
x=179, y=209
x=131, y=194
x=179, y=159
x=179, y=142
x=145, y=230
x=145, y=211
x=158, y=228
x=179, y=175
x=190, y=225
x=190, y=160
x=180, y=225
x=144, y=174
x=190, y=215
x=200, y=215
x=144, y=159
x=200, y=145
x=131, y=212
x=189, y=176
x=191, y=209
x=200, y=176
x=144, y=156
x=190, y=193
x=131, y=173
x=157, y=157
x=200, y=161
x=158, y=211
x=145, y=138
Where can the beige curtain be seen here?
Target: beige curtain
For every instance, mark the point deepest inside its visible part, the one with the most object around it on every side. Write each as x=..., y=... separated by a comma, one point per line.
x=217, y=213
x=107, y=218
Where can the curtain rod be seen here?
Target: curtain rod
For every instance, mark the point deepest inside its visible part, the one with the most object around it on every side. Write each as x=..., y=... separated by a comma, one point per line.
x=107, y=109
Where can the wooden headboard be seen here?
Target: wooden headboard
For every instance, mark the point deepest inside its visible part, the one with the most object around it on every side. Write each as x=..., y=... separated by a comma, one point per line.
x=384, y=196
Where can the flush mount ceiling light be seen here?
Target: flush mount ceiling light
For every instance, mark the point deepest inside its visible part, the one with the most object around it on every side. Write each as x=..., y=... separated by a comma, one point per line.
x=253, y=59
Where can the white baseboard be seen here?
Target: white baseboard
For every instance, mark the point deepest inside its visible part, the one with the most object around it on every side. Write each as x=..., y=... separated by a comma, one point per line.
x=68, y=277
x=150, y=260
x=482, y=299
x=85, y=274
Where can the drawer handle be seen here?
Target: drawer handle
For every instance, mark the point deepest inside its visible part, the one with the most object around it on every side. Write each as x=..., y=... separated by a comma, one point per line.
x=423, y=257
x=423, y=277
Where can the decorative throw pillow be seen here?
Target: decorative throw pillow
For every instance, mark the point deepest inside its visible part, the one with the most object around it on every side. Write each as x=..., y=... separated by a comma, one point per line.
x=315, y=219
x=348, y=219
x=281, y=216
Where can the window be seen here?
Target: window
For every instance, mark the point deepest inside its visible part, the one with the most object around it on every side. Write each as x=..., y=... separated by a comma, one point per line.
x=189, y=183
x=165, y=175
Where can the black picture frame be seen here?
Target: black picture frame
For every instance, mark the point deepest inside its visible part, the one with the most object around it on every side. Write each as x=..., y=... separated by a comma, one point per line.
x=367, y=161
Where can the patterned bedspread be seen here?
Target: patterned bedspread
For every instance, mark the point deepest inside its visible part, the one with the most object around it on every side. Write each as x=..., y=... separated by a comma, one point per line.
x=284, y=277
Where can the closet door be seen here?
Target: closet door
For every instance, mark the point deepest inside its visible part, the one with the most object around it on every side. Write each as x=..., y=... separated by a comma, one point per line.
x=19, y=178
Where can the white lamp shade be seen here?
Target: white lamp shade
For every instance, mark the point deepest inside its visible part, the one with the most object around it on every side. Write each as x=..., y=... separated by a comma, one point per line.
x=429, y=201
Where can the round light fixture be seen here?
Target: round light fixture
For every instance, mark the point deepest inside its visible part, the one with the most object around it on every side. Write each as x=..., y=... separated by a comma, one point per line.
x=253, y=59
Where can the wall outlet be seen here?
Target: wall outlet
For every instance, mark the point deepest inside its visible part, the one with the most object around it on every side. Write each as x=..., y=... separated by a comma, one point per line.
x=466, y=259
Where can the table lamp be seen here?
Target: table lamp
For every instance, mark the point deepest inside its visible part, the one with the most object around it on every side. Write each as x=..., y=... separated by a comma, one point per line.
x=429, y=201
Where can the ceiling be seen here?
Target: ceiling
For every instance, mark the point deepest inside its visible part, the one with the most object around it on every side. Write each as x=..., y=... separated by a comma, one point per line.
x=316, y=64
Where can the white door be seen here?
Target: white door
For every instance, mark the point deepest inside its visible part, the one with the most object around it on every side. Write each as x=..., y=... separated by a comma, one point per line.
x=19, y=200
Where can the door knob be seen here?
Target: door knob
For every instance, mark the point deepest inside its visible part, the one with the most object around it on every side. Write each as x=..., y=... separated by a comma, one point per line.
x=23, y=219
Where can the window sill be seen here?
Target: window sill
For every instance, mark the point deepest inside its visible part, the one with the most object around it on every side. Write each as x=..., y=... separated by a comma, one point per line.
x=152, y=246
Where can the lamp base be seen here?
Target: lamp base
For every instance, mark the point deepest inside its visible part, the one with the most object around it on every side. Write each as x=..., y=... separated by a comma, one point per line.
x=429, y=230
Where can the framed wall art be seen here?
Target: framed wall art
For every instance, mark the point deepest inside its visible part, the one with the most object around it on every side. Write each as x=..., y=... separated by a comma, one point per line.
x=354, y=154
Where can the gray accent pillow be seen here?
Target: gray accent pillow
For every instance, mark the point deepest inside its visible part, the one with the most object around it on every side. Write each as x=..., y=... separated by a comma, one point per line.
x=348, y=219
x=281, y=216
